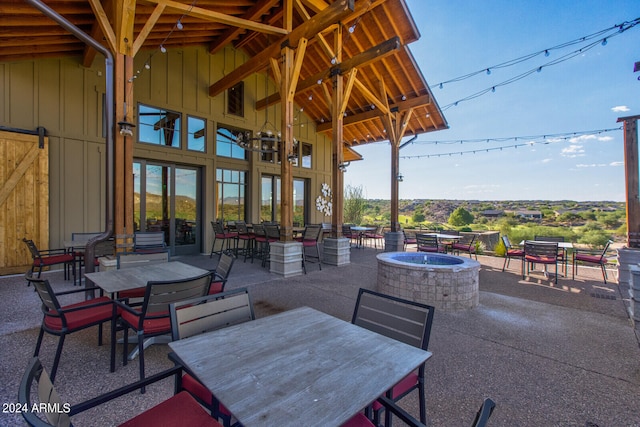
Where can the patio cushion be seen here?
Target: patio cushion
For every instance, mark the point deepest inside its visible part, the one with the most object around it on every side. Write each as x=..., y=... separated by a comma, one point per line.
x=53, y=259
x=179, y=410
x=590, y=258
x=81, y=318
x=196, y=388
x=409, y=381
x=358, y=420
x=540, y=259
x=151, y=326
x=515, y=252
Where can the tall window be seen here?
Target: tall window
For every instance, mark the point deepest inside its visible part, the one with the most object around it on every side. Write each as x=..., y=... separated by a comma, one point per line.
x=306, y=153
x=196, y=134
x=270, y=199
x=235, y=100
x=231, y=197
x=158, y=126
x=226, y=145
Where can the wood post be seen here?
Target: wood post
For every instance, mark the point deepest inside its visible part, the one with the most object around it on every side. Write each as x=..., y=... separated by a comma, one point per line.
x=631, y=179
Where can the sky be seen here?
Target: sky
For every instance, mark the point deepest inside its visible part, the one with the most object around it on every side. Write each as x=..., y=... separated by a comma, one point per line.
x=585, y=93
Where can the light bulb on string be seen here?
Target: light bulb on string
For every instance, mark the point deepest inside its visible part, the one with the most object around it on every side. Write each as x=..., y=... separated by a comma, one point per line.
x=352, y=28
x=546, y=52
x=163, y=49
x=488, y=72
x=179, y=25
x=147, y=66
x=604, y=42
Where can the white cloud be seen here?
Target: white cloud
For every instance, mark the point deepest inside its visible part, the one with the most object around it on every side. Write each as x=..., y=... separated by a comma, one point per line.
x=546, y=160
x=620, y=109
x=591, y=165
x=584, y=138
x=573, y=150
x=616, y=164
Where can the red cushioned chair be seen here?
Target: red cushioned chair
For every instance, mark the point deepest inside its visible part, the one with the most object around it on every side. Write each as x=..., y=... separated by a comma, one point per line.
x=63, y=320
x=205, y=314
x=219, y=233
x=136, y=259
x=376, y=235
x=310, y=239
x=429, y=243
x=151, y=319
x=37, y=389
x=409, y=240
x=591, y=257
x=511, y=252
x=538, y=252
x=221, y=273
x=406, y=321
x=49, y=257
x=466, y=244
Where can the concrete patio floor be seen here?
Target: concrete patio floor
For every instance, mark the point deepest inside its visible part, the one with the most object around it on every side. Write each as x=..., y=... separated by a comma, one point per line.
x=549, y=355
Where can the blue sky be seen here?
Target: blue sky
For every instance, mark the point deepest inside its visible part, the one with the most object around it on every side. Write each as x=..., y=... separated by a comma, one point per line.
x=588, y=92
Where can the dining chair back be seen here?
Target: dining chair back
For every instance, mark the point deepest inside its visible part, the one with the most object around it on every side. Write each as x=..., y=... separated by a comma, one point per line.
x=409, y=239
x=36, y=390
x=541, y=252
x=225, y=236
x=152, y=317
x=62, y=320
x=209, y=313
x=591, y=257
x=149, y=241
x=137, y=259
x=429, y=243
x=221, y=273
x=483, y=414
x=404, y=320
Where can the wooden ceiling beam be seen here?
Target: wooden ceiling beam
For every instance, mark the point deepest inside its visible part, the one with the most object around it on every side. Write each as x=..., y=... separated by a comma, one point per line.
x=148, y=26
x=105, y=25
x=337, y=11
x=348, y=87
x=256, y=11
x=374, y=114
x=214, y=16
x=370, y=55
x=371, y=97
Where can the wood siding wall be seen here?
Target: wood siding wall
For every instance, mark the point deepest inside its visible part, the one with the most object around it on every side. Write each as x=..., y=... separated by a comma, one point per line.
x=66, y=99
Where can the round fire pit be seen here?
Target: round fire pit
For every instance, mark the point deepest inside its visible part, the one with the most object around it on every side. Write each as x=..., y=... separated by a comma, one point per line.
x=447, y=282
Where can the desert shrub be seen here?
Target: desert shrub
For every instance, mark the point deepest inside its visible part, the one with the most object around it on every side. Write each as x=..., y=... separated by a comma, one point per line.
x=595, y=238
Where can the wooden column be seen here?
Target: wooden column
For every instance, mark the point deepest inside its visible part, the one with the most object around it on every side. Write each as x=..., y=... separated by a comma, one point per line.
x=123, y=154
x=631, y=179
x=286, y=147
x=395, y=184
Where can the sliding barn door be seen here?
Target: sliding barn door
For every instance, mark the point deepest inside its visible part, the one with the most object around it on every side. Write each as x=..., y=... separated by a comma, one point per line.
x=24, y=198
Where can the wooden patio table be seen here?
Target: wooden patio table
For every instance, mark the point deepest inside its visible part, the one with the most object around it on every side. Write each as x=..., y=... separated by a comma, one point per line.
x=299, y=367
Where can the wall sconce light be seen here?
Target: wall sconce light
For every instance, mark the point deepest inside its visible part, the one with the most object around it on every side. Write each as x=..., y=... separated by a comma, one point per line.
x=400, y=178
x=343, y=166
x=126, y=128
x=292, y=157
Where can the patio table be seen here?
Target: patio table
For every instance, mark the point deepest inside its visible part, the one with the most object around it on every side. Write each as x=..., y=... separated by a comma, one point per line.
x=361, y=231
x=299, y=367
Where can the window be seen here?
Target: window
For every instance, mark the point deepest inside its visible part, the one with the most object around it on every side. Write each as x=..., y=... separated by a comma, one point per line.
x=196, y=134
x=235, y=100
x=158, y=126
x=307, y=150
x=226, y=143
x=231, y=197
x=270, y=199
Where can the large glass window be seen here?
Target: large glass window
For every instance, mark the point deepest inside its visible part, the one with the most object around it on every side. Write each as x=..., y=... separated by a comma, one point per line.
x=196, y=134
x=231, y=197
x=307, y=151
x=226, y=143
x=270, y=199
x=158, y=126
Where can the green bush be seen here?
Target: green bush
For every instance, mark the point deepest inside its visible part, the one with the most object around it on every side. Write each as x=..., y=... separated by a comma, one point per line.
x=595, y=238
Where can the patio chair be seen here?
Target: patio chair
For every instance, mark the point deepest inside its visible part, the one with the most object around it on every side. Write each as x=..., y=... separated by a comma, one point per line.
x=260, y=242
x=562, y=253
x=466, y=244
x=151, y=319
x=273, y=235
x=37, y=390
x=247, y=238
x=591, y=257
x=409, y=240
x=61, y=320
x=310, y=239
x=406, y=321
x=221, y=273
x=538, y=252
x=361, y=420
x=348, y=233
x=149, y=241
x=48, y=257
x=136, y=259
x=511, y=252
x=376, y=235
x=225, y=236
x=206, y=314
x=429, y=243
x=78, y=252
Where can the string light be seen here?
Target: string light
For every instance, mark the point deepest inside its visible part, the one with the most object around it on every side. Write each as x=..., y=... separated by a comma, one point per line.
x=163, y=49
x=179, y=24
x=532, y=140
x=602, y=36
